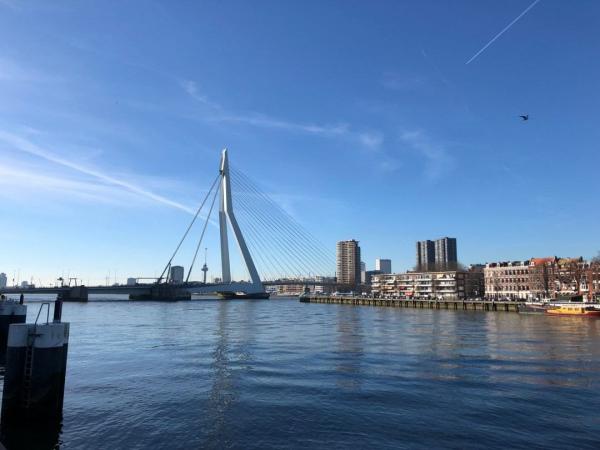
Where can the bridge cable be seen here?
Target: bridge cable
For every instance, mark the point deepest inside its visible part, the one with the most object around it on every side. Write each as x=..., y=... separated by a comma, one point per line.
x=254, y=231
x=258, y=247
x=309, y=250
x=203, y=231
x=289, y=247
x=288, y=221
x=254, y=228
x=188, y=229
x=290, y=243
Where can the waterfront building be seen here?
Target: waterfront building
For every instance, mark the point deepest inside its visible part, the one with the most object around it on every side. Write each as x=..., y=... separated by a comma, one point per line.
x=383, y=265
x=348, y=263
x=326, y=288
x=3, y=280
x=434, y=285
x=548, y=277
x=131, y=281
x=363, y=270
x=297, y=286
x=290, y=289
x=475, y=284
x=177, y=274
x=555, y=277
x=508, y=280
x=540, y=274
x=369, y=276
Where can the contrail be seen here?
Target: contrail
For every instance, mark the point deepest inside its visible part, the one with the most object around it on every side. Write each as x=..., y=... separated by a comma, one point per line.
x=28, y=147
x=504, y=30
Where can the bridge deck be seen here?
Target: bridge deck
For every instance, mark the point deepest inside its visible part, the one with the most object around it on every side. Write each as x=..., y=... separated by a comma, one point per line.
x=191, y=287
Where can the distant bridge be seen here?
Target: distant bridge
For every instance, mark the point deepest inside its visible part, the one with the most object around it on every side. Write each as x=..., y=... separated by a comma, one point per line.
x=282, y=245
x=166, y=291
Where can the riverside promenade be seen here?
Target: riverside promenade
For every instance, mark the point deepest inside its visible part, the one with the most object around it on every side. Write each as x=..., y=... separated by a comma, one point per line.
x=456, y=304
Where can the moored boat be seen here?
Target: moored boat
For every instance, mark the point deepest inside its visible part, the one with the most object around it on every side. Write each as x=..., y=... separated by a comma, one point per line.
x=533, y=308
x=573, y=310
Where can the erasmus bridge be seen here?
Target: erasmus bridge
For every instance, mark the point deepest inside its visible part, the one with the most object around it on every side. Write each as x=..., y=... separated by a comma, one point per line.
x=286, y=253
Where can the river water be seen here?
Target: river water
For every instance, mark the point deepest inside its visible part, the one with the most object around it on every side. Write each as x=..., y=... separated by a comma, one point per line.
x=284, y=374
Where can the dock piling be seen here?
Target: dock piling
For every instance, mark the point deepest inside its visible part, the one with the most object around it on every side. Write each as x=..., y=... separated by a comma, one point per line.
x=10, y=312
x=36, y=363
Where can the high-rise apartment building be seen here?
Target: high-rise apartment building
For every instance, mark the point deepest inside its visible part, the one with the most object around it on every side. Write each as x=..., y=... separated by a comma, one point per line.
x=348, y=263
x=445, y=254
x=383, y=265
x=3, y=280
x=425, y=255
x=437, y=255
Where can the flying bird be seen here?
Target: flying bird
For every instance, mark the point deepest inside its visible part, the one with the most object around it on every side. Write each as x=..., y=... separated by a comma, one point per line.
x=525, y=117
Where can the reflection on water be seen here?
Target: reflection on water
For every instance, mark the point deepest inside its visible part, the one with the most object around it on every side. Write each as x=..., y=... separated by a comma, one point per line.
x=349, y=348
x=222, y=393
x=282, y=374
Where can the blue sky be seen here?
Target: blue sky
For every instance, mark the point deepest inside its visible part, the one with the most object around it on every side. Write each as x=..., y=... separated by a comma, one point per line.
x=362, y=119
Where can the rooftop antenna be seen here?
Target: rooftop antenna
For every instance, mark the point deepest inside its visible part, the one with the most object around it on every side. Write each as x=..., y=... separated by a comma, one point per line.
x=204, y=267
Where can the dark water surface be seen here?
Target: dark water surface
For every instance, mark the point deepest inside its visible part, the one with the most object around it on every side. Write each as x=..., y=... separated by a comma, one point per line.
x=282, y=374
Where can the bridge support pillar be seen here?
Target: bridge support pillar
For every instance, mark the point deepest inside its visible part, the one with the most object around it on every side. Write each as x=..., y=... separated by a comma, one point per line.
x=163, y=292
x=75, y=294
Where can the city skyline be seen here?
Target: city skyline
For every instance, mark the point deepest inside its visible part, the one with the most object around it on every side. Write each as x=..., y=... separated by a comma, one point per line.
x=109, y=139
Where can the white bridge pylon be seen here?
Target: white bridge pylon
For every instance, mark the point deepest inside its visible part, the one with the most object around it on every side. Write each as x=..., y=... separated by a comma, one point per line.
x=226, y=214
x=254, y=288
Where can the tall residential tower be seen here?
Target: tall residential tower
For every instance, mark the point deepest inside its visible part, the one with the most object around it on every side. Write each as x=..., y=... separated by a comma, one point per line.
x=425, y=256
x=445, y=254
x=348, y=263
x=383, y=265
x=437, y=255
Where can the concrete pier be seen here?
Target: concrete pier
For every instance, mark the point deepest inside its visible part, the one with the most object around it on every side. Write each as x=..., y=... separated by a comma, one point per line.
x=10, y=312
x=455, y=304
x=36, y=363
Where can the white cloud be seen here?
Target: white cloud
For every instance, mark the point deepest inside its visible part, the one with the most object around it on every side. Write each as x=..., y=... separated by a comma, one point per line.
x=389, y=165
x=27, y=183
x=263, y=121
x=23, y=145
x=371, y=140
x=191, y=88
x=438, y=161
x=13, y=71
x=11, y=4
x=402, y=82
x=339, y=130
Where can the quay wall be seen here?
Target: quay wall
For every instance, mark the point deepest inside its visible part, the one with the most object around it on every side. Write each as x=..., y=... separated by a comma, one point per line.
x=455, y=304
